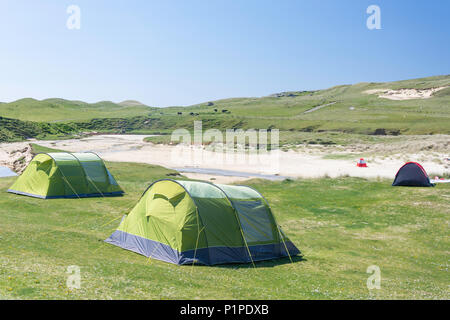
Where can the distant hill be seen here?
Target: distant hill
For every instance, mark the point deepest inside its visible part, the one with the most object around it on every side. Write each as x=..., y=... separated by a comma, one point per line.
x=51, y=110
x=357, y=108
x=392, y=108
x=131, y=103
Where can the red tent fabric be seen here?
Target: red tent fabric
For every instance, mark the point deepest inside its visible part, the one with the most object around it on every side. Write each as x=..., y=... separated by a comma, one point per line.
x=361, y=163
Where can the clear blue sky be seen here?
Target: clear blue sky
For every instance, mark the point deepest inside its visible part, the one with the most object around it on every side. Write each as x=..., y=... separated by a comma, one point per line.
x=190, y=51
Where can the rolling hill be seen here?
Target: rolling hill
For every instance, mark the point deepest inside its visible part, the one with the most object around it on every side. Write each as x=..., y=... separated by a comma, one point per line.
x=357, y=109
x=131, y=103
x=60, y=110
x=346, y=108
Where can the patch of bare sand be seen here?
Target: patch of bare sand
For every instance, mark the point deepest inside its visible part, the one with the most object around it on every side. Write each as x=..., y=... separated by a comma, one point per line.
x=411, y=145
x=214, y=178
x=384, y=160
x=405, y=94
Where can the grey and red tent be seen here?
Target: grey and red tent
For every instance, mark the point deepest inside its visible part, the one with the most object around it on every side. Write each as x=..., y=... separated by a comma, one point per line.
x=412, y=174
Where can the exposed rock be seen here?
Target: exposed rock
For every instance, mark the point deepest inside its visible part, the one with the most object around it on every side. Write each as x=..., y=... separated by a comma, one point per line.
x=16, y=156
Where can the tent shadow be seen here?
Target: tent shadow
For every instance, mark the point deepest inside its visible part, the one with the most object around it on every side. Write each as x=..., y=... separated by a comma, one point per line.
x=263, y=264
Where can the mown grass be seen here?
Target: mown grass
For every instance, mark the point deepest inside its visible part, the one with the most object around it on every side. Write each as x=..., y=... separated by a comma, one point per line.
x=342, y=226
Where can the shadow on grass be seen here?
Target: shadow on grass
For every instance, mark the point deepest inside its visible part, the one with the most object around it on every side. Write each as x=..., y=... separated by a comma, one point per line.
x=248, y=265
x=263, y=264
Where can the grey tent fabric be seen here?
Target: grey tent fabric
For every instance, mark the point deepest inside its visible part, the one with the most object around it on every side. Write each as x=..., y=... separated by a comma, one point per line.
x=412, y=174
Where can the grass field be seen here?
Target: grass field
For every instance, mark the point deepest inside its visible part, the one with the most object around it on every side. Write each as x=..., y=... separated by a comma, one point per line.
x=342, y=226
x=61, y=110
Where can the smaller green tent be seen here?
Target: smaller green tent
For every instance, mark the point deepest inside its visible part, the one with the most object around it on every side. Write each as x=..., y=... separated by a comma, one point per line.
x=186, y=222
x=66, y=175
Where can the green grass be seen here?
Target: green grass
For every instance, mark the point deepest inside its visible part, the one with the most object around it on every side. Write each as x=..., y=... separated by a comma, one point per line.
x=36, y=148
x=342, y=226
x=162, y=139
x=60, y=110
x=18, y=130
x=353, y=111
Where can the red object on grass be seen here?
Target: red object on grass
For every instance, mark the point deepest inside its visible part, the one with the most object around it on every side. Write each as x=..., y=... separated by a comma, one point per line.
x=361, y=163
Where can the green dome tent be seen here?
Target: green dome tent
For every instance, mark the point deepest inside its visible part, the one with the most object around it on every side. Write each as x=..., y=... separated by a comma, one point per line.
x=66, y=175
x=186, y=222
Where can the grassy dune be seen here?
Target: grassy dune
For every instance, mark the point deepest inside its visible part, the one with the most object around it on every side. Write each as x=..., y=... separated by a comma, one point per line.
x=342, y=226
x=353, y=110
x=18, y=130
x=61, y=110
x=345, y=109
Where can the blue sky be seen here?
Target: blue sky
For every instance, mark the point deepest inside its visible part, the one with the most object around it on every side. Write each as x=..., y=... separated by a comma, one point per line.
x=167, y=52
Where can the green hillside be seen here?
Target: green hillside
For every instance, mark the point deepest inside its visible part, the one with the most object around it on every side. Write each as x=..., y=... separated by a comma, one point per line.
x=55, y=110
x=343, y=109
x=17, y=130
x=346, y=108
x=130, y=103
x=349, y=109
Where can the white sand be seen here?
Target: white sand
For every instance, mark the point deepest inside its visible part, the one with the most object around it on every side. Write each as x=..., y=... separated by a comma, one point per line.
x=308, y=162
x=405, y=94
x=214, y=178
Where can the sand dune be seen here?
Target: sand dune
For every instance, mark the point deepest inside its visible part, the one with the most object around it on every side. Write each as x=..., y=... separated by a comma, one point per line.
x=405, y=94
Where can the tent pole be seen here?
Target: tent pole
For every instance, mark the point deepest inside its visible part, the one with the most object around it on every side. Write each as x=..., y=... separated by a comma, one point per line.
x=196, y=246
x=86, y=175
x=238, y=221
x=284, y=242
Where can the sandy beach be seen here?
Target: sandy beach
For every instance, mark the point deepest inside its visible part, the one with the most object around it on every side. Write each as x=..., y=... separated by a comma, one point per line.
x=305, y=162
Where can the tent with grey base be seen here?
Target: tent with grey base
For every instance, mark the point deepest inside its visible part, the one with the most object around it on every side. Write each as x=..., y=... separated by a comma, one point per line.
x=66, y=175
x=187, y=222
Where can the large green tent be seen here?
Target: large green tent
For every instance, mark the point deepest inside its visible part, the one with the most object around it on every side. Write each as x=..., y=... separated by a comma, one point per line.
x=186, y=222
x=66, y=175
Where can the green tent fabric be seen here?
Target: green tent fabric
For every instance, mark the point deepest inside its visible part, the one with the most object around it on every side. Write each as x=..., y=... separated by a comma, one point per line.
x=186, y=222
x=66, y=175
